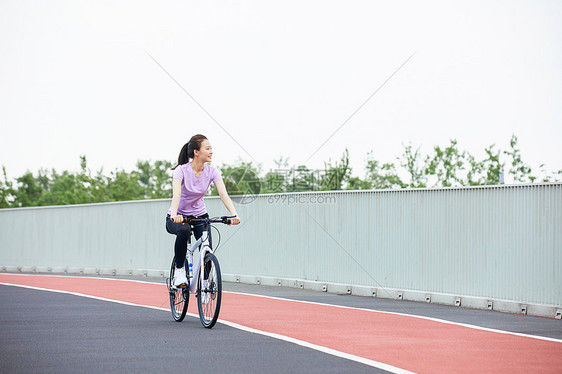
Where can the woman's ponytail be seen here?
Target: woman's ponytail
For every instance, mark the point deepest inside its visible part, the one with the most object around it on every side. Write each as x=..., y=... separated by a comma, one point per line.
x=183, y=157
x=188, y=150
x=191, y=149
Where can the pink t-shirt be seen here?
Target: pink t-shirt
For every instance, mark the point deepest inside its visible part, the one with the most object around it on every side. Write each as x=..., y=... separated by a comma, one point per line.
x=193, y=188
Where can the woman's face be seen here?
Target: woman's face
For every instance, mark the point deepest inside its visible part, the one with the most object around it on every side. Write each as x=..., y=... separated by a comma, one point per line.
x=205, y=153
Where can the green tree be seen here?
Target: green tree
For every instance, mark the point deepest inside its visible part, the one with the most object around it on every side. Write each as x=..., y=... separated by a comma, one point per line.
x=155, y=179
x=7, y=191
x=98, y=187
x=410, y=161
x=383, y=176
x=277, y=181
x=474, y=171
x=29, y=190
x=356, y=183
x=148, y=181
x=124, y=186
x=446, y=165
x=241, y=181
x=335, y=176
x=303, y=179
x=65, y=189
x=520, y=171
x=492, y=167
x=545, y=176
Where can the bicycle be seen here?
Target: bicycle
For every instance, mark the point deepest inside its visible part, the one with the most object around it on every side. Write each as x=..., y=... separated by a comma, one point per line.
x=208, y=285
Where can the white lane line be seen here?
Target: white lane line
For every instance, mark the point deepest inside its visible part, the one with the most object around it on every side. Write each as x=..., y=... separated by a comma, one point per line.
x=475, y=327
x=15, y=275
x=333, y=352
x=82, y=295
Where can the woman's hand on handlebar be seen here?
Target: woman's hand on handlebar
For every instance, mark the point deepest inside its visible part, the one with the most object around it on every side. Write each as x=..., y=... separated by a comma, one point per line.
x=234, y=220
x=177, y=218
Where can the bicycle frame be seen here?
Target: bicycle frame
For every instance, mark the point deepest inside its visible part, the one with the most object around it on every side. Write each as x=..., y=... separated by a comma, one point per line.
x=194, y=273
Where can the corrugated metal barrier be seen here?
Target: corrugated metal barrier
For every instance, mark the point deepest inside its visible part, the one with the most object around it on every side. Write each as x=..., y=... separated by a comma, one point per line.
x=489, y=246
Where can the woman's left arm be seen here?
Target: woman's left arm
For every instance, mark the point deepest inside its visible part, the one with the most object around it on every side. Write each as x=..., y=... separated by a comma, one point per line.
x=227, y=201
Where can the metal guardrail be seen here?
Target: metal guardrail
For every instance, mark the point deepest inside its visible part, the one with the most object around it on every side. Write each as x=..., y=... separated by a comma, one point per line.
x=476, y=246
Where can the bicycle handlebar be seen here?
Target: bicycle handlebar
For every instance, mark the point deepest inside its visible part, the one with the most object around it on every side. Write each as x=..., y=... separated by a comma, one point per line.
x=223, y=219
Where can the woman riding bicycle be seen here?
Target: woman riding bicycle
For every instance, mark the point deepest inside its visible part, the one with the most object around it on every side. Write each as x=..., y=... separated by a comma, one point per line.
x=190, y=183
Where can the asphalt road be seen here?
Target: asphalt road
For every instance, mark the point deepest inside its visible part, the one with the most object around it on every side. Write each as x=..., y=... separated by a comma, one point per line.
x=47, y=332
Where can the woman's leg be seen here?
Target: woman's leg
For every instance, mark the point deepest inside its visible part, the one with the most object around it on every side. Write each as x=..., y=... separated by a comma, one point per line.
x=182, y=232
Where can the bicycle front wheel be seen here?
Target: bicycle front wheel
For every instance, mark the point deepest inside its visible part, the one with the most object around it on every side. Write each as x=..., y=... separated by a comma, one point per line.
x=179, y=297
x=209, y=292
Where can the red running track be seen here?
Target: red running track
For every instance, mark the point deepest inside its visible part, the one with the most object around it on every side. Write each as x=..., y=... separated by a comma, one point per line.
x=411, y=343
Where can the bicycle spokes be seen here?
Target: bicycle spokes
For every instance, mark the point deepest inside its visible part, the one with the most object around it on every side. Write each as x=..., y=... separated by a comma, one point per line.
x=179, y=297
x=210, y=291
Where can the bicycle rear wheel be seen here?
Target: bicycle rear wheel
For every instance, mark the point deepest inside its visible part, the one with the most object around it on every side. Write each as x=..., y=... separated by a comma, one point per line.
x=209, y=293
x=179, y=297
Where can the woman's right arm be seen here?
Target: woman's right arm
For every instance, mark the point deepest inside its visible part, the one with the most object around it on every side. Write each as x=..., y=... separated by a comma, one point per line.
x=176, y=196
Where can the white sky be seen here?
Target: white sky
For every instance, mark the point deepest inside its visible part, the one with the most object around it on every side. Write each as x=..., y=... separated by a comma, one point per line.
x=279, y=76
